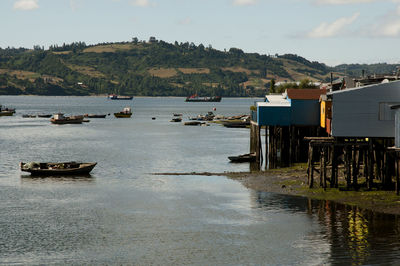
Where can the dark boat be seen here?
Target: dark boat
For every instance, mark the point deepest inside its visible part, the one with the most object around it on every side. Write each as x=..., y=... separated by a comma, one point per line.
x=60, y=119
x=194, y=123
x=44, y=115
x=176, y=119
x=196, y=98
x=125, y=113
x=248, y=157
x=94, y=116
x=236, y=124
x=64, y=168
x=119, y=97
x=28, y=116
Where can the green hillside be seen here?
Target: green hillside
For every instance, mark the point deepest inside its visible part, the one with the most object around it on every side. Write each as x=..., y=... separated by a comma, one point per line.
x=153, y=68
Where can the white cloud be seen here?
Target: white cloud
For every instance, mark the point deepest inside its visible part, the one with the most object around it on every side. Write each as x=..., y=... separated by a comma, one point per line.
x=244, y=2
x=186, y=21
x=326, y=30
x=342, y=2
x=26, y=4
x=391, y=29
x=141, y=3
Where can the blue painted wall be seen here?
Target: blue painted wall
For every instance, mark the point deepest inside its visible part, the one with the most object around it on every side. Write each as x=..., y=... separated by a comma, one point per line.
x=301, y=113
x=305, y=113
x=273, y=116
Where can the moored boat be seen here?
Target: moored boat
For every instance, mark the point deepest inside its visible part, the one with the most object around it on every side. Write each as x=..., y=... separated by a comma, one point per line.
x=62, y=168
x=125, y=113
x=176, y=119
x=44, y=115
x=6, y=113
x=94, y=116
x=60, y=119
x=248, y=157
x=119, y=97
x=196, y=98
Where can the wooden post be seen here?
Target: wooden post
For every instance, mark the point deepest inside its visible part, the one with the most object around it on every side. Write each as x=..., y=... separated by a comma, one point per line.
x=370, y=165
x=334, y=167
x=310, y=166
x=397, y=172
x=266, y=147
x=348, y=165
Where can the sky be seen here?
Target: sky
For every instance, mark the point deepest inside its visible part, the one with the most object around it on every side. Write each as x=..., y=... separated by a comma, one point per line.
x=328, y=31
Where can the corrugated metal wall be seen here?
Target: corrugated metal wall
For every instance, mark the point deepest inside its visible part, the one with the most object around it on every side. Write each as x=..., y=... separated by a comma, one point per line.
x=362, y=112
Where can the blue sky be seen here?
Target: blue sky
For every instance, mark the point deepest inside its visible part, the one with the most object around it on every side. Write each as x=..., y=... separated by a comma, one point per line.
x=328, y=31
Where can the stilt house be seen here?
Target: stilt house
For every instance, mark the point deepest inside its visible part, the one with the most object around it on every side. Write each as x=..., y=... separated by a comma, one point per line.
x=295, y=107
x=362, y=112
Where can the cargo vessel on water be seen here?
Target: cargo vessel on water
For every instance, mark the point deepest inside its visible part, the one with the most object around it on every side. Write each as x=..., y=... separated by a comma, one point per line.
x=196, y=98
x=119, y=97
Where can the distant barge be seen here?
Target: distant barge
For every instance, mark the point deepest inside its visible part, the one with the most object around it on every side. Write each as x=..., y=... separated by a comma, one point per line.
x=196, y=98
x=119, y=97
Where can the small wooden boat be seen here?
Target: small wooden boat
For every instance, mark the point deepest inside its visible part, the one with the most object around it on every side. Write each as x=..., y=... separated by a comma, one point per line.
x=176, y=119
x=125, y=113
x=63, y=168
x=236, y=124
x=44, y=115
x=28, y=116
x=94, y=116
x=6, y=113
x=60, y=119
x=248, y=157
x=194, y=123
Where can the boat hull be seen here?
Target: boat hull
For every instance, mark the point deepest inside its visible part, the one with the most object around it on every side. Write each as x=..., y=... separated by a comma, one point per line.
x=203, y=99
x=6, y=113
x=118, y=97
x=82, y=169
x=119, y=115
x=69, y=121
x=243, y=158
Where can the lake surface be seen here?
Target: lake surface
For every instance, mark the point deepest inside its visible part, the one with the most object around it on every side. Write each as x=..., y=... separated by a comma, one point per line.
x=123, y=214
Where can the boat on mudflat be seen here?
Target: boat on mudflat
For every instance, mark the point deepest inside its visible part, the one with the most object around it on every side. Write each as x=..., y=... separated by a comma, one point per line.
x=119, y=97
x=62, y=168
x=125, y=113
x=60, y=119
x=196, y=98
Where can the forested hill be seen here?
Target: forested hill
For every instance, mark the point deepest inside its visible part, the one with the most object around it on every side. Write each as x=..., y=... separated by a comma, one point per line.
x=153, y=68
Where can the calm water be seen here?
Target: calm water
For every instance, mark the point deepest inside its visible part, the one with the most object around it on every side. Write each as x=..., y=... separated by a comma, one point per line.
x=125, y=215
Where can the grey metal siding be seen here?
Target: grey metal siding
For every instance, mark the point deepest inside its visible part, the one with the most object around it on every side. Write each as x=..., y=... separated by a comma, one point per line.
x=355, y=112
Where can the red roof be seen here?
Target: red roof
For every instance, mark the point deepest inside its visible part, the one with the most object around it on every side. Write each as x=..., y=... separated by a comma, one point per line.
x=305, y=94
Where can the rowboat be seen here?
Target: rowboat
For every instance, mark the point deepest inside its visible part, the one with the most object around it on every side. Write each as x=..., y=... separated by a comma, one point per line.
x=249, y=157
x=94, y=116
x=63, y=168
x=6, y=113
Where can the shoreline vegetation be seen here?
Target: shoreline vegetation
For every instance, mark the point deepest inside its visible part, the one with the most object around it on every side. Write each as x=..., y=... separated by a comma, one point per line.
x=293, y=181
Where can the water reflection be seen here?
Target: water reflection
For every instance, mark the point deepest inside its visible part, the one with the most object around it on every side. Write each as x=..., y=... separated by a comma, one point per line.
x=355, y=236
x=37, y=179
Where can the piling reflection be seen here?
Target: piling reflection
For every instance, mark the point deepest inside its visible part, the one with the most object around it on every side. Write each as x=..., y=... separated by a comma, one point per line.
x=355, y=236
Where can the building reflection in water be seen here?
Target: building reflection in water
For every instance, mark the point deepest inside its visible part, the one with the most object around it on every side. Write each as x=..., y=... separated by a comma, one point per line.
x=355, y=236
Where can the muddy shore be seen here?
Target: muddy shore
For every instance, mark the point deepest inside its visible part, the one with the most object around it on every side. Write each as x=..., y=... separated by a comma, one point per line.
x=293, y=181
